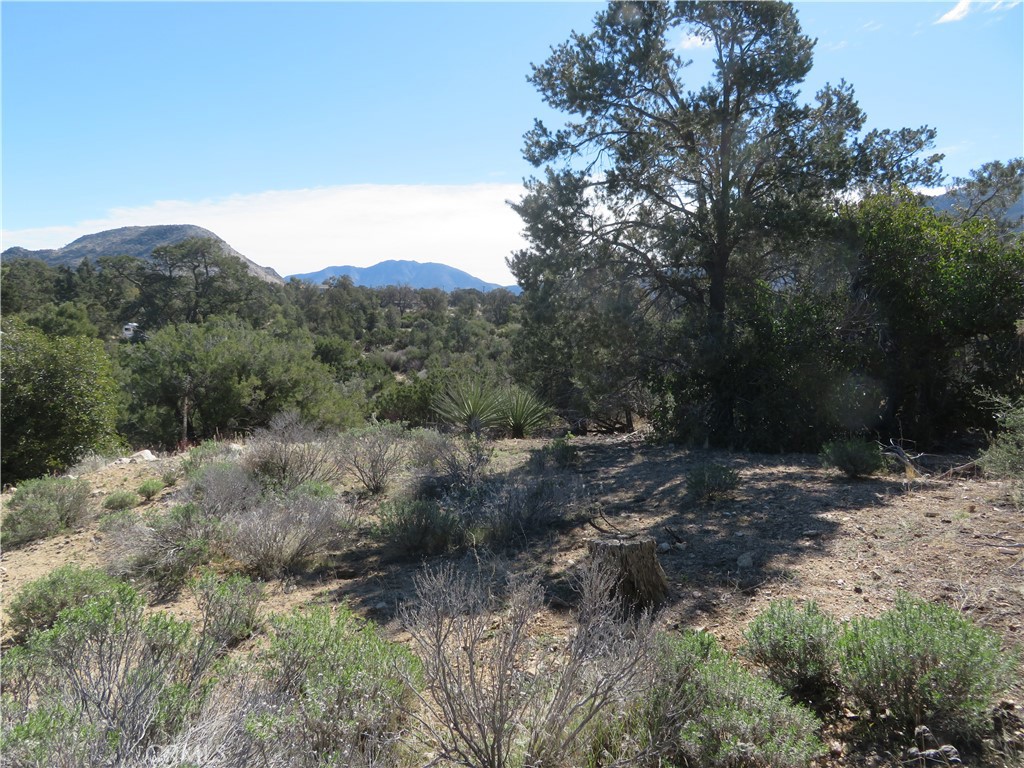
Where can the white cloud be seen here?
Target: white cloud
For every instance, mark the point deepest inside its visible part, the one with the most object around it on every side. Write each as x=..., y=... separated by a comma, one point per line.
x=693, y=41
x=872, y=26
x=303, y=230
x=958, y=12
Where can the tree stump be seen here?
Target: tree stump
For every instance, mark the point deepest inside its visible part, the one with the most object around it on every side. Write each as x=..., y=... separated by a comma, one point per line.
x=641, y=580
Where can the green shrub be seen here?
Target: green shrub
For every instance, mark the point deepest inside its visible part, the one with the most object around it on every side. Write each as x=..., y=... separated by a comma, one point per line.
x=420, y=527
x=561, y=452
x=342, y=686
x=38, y=603
x=854, y=458
x=924, y=664
x=703, y=708
x=150, y=488
x=44, y=507
x=112, y=680
x=446, y=464
x=470, y=405
x=60, y=401
x=797, y=647
x=523, y=413
x=163, y=548
x=119, y=500
x=228, y=608
x=711, y=481
x=207, y=452
x=1005, y=455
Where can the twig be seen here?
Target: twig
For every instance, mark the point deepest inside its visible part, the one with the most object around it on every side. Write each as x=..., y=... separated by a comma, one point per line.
x=963, y=468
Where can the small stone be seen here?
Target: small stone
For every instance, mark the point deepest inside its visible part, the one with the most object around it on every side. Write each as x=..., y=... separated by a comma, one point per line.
x=858, y=590
x=923, y=736
x=664, y=547
x=876, y=575
x=931, y=514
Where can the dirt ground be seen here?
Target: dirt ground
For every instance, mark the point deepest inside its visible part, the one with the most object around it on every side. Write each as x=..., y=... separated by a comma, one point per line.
x=791, y=530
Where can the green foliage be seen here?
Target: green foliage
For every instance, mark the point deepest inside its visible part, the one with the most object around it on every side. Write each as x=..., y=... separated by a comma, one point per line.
x=561, y=452
x=229, y=608
x=112, y=679
x=66, y=319
x=703, y=708
x=202, y=455
x=163, y=548
x=343, y=687
x=150, y=488
x=471, y=405
x=1004, y=456
x=38, y=603
x=197, y=381
x=523, y=412
x=44, y=507
x=60, y=401
x=949, y=299
x=420, y=526
x=119, y=500
x=924, y=664
x=708, y=481
x=797, y=647
x=855, y=458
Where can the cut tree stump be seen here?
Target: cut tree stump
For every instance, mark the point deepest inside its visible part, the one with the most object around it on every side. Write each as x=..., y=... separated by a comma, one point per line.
x=641, y=580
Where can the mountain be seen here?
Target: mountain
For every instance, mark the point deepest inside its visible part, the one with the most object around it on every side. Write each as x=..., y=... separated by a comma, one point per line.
x=133, y=241
x=412, y=273
x=1015, y=213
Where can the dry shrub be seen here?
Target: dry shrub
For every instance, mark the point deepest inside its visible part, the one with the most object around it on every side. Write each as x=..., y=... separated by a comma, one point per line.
x=373, y=455
x=289, y=453
x=283, y=534
x=493, y=695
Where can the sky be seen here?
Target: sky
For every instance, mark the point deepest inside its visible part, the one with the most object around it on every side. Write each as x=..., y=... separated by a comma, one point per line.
x=324, y=133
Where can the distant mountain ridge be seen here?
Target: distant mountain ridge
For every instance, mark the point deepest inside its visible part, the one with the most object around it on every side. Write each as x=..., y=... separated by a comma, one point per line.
x=139, y=242
x=415, y=274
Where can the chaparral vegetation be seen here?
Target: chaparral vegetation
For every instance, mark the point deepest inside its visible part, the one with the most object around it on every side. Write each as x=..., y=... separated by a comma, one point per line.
x=737, y=480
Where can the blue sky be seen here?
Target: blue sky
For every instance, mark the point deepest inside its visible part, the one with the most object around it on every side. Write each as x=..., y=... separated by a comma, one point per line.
x=313, y=134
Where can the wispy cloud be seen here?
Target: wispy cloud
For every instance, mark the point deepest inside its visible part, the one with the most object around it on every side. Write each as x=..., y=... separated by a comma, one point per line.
x=293, y=231
x=958, y=12
x=838, y=45
x=872, y=26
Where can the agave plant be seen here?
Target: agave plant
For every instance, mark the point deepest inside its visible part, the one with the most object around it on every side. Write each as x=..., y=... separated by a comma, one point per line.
x=472, y=405
x=524, y=412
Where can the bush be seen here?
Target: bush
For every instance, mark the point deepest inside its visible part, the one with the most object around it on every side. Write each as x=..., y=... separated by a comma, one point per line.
x=449, y=464
x=420, y=527
x=290, y=453
x=222, y=489
x=60, y=401
x=163, y=548
x=373, y=454
x=924, y=664
x=228, y=608
x=42, y=508
x=283, y=534
x=471, y=405
x=1005, y=455
x=702, y=708
x=39, y=602
x=150, y=488
x=798, y=650
x=855, y=458
x=523, y=413
x=100, y=687
x=711, y=481
x=340, y=688
x=497, y=697
x=207, y=452
x=119, y=500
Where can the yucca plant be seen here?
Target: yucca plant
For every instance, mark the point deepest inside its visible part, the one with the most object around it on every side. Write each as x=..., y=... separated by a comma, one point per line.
x=474, y=406
x=524, y=413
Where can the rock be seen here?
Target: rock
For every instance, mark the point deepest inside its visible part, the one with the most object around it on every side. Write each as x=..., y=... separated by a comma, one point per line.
x=924, y=737
x=746, y=560
x=664, y=547
x=145, y=455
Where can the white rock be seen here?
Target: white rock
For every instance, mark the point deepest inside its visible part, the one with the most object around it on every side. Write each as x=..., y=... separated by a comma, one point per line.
x=146, y=455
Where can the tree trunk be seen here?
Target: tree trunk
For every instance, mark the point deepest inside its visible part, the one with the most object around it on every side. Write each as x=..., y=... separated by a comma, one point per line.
x=642, y=582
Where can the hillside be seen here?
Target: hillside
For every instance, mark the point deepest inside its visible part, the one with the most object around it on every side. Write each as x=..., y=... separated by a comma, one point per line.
x=791, y=530
x=133, y=241
x=403, y=272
